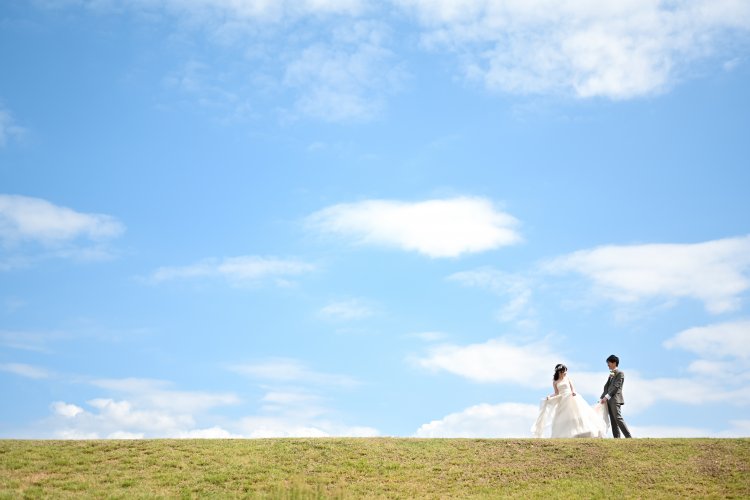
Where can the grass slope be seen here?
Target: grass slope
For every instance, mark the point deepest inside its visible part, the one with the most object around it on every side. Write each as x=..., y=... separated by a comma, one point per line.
x=385, y=467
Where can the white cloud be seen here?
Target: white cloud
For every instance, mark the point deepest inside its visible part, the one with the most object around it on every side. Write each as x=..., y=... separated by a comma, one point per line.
x=66, y=410
x=436, y=228
x=144, y=408
x=243, y=269
x=505, y=420
x=347, y=310
x=111, y=416
x=25, y=370
x=617, y=50
x=723, y=340
x=32, y=219
x=214, y=432
x=148, y=409
x=723, y=350
x=126, y=435
x=9, y=129
x=496, y=361
x=114, y=420
x=714, y=272
x=74, y=434
x=291, y=370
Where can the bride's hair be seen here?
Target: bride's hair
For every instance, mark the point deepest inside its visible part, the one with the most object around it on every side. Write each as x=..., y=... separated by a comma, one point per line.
x=558, y=370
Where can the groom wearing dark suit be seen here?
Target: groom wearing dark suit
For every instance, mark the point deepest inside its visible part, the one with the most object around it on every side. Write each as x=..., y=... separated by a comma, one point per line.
x=612, y=397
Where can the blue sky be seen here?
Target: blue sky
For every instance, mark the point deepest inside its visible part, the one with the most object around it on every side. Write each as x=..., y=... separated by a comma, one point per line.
x=352, y=218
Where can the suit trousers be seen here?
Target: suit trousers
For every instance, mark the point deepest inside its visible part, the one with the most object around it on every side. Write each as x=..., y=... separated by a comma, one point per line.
x=616, y=420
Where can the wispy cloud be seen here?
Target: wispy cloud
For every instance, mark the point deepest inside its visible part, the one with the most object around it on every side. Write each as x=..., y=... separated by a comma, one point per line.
x=346, y=78
x=31, y=341
x=617, y=50
x=429, y=336
x=294, y=404
x=9, y=129
x=242, y=269
x=159, y=394
x=436, y=228
x=219, y=12
x=517, y=289
x=216, y=11
x=714, y=272
x=319, y=59
x=25, y=370
x=32, y=229
x=289, y=370
x=740, y=428
x=347, y=310
x=24, y=218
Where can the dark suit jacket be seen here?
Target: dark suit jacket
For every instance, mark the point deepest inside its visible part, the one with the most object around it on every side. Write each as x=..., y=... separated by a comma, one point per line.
x=613, y=387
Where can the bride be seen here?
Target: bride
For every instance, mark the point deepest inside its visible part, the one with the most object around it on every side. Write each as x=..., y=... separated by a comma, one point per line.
x=568, y=413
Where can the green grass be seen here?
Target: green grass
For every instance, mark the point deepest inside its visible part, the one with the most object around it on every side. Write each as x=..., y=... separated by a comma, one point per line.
x=382, y=467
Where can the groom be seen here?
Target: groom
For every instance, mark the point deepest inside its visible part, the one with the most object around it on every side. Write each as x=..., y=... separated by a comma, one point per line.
x=612, y=397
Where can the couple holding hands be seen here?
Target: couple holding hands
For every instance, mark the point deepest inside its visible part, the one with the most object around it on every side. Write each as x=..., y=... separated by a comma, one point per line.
x=569, y=414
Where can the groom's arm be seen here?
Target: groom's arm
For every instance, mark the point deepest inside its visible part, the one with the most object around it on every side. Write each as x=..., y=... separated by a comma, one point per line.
x=616, y=385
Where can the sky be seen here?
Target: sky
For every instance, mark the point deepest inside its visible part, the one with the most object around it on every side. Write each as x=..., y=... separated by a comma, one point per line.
x=257, y=218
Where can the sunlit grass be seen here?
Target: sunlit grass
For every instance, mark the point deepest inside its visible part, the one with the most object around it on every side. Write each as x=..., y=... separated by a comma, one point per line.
x=385, y=467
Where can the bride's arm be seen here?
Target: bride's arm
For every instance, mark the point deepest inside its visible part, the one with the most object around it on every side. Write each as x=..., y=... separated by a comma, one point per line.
x=572, y=390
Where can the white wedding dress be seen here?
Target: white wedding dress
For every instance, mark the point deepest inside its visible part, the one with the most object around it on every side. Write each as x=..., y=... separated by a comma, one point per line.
x=570, y=416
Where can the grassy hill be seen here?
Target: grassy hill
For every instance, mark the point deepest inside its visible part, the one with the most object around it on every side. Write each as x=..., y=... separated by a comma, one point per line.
x=385, y=467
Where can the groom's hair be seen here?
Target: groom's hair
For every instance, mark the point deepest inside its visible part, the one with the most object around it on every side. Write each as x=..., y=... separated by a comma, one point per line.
x=614, y=359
